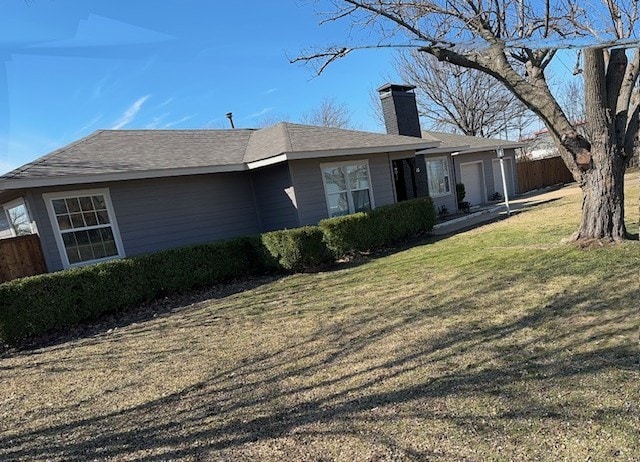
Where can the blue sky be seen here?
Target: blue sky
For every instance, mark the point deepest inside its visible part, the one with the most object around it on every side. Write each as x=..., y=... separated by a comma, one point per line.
x=70, y=67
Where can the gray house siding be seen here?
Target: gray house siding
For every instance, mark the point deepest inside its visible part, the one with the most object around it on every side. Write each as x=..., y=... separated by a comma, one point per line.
x=309, y=188
x=36, y=205
x=158, y=214
x=487, y=158
x=448, y=201
x=275, y=198
x=183, y=210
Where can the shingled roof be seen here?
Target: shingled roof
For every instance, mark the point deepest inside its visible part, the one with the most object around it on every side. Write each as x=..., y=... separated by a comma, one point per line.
x=114, y=151
x=128, y=154
x=464, y=143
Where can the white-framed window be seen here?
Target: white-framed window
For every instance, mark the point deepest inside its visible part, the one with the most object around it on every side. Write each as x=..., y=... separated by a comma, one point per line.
x=18, y=218
x=347, y=187
x=438, y=176
x=85, y=226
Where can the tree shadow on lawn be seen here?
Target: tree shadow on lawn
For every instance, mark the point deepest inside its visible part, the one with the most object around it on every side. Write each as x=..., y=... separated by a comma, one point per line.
x=342, y=381
x=94, y=329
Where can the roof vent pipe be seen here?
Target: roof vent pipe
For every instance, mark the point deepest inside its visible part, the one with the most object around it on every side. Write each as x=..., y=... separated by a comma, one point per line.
x=230, y=117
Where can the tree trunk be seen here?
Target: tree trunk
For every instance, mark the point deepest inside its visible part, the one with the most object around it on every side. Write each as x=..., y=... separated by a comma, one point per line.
x=603, y=198
x=603, y=163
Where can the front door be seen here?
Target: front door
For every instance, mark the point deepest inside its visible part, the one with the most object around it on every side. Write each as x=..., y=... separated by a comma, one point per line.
x=404, y=179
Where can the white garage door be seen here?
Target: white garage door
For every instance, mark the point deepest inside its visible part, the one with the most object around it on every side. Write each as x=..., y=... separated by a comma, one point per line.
x=508, y=173
x=473, y=180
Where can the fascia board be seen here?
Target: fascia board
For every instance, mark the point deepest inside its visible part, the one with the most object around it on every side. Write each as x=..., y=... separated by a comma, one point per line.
x=19, y=183
x=491, y=148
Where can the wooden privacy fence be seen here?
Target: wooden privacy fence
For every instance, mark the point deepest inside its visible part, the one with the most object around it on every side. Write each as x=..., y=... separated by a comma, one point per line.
x=536, y=174
x=21, y=256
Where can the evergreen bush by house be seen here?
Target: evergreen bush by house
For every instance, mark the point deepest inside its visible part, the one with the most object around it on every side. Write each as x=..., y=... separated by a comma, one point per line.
x=38, y=304
x=298, y=249
x=364, y=231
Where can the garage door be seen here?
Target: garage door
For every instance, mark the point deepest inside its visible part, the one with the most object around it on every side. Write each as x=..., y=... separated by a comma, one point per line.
x=508, y=173
x=471, y=176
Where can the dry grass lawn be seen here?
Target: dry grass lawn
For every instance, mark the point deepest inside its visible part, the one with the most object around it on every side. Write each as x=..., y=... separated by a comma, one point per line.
x=500, y=343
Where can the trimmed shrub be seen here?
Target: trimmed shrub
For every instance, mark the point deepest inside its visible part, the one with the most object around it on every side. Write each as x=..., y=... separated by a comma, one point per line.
x=350, y=233
x=298, y=249
x=35, y=305
x=364, y=231
x=178, y=270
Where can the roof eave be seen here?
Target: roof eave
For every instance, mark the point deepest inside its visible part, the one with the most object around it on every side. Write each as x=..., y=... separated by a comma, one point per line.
x=363, y=150
x=19, y=183
x=511, y=145
x=299, y=155
x=443, y=150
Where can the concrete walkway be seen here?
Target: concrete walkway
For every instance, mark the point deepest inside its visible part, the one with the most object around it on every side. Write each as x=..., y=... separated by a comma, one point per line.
x=490, y=212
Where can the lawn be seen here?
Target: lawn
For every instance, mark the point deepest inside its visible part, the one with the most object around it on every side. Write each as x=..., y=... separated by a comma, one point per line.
x=499, y=343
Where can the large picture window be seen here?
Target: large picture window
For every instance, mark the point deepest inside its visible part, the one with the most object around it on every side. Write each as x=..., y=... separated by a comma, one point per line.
x=85, y=225
x=347, y=188
x=438, y=176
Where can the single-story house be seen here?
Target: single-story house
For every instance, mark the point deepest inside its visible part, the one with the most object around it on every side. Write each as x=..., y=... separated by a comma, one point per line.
x=118, y=193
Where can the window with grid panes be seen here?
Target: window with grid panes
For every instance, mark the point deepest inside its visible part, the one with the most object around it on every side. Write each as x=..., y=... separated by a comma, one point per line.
x=85, y=227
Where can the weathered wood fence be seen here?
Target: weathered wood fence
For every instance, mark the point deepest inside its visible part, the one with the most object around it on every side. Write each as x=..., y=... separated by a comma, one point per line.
x=536, y=174
x=21, y=256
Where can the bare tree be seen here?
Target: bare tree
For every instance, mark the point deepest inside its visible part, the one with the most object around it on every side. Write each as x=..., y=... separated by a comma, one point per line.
x=572, y=101
x=515, y=41
x=459, y=99
x=329, y=114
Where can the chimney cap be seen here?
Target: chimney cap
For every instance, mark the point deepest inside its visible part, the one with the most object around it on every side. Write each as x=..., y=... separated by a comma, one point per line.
x=396, y=87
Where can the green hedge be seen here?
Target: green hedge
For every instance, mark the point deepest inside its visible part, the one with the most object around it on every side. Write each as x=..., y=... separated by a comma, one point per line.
x=368, y=230
x=39, y=304
x=35, y=305
x=298, y=249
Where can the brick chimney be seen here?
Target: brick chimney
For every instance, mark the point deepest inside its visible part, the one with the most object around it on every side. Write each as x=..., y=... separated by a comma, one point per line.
x=400, y=110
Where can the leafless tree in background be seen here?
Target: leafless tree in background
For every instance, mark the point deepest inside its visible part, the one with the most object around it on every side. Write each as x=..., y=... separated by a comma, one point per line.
x=329, y=114
x=462, y=100
x=572, y=100
x=514, y=41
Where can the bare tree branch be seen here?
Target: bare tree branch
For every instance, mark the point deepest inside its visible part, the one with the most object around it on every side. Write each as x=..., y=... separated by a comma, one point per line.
x=465, y=100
